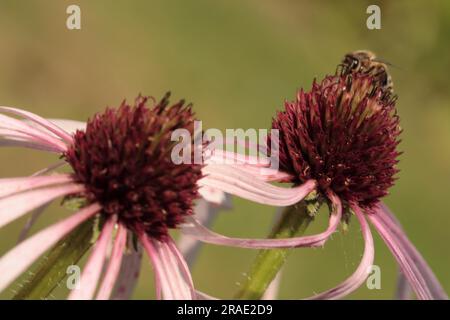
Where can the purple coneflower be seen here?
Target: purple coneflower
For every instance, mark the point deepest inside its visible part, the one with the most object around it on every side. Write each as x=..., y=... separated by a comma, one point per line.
x=341, y=138
x=122, y=168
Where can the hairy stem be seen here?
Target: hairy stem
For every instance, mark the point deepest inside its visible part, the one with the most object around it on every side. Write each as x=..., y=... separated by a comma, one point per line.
x=52, y=269
x=293, y=221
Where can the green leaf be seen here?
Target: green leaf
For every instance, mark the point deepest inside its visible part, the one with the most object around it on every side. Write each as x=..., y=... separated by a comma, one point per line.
x=51, y=270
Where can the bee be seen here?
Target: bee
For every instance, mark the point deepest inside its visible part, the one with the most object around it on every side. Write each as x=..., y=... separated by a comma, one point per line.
x=366, y=62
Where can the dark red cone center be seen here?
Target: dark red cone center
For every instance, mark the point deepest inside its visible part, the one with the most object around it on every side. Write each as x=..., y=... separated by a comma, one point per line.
x=124, y=160
x=344, y=134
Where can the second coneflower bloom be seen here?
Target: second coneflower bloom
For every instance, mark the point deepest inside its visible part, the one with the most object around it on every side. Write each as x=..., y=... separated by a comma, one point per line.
x=341, y=137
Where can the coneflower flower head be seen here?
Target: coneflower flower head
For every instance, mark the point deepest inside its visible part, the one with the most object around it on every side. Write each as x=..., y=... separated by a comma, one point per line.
x=123, y=160
x=343, y=133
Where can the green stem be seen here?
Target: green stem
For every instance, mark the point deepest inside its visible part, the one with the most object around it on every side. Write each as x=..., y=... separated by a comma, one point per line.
x=293, y=221
x=52, y=268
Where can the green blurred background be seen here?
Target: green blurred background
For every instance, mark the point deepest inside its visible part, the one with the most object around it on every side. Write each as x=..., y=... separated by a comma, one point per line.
x=237, y=61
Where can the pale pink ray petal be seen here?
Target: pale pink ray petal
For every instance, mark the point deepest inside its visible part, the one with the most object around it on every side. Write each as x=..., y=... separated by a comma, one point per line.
x=12, y=137
x=21, y=127
x=238, y=176
x=115, y=261
x=93, y=268
x=182, y=266
x=248, y=187
x=158, y=288
x=171, y=281
x=267, y=174
x=361, y=273
x=15, y=135
x=161, y=279
x=194, y=229
x=16, y=261
x=37, y=212
x=50, y=168
x=250, y=164
x=203, y=296
x=391, y=222
x=205, y=213
x=12, y=133
x=9, y=142
x=129, y=273
x=31, y=221
x=227, y=157
x=407, y=266
x=70, y=126
x=41, y=121
x=17, y=205
x=9, y=186
x=181, y=286
x=403, y=291
x=212, y=195
x=274, y=287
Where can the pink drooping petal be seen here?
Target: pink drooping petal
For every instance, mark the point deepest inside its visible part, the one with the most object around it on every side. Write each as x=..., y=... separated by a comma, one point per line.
x=360, y=275
x=205, y=212
x=414, y=255
x=93, y=268
x=163, y=286
x=267, y=174
x=405, y=262
x=227, y=157
x=9, y=186
x=21, y=134
x=129, y=273
x=16, y=261
x=274, y=287
x=50, y=168
x=115, y=261
x=40, y=121
x=193, y=228
x=242, y=184
x=31, y=221
x=37, y=212
x=70, y=126
x=203, y=296
x=251, y=164
x=212, y=195
x=181, y=285
x=27, y=145
x=403, y=291
x=169, y=277
x=13, y=137
x=23, y=128
x=182, y=265
x=17, y=205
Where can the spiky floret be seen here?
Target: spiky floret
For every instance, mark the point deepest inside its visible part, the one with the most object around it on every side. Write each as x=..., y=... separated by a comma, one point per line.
x=343, y=133
x=124, y=160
